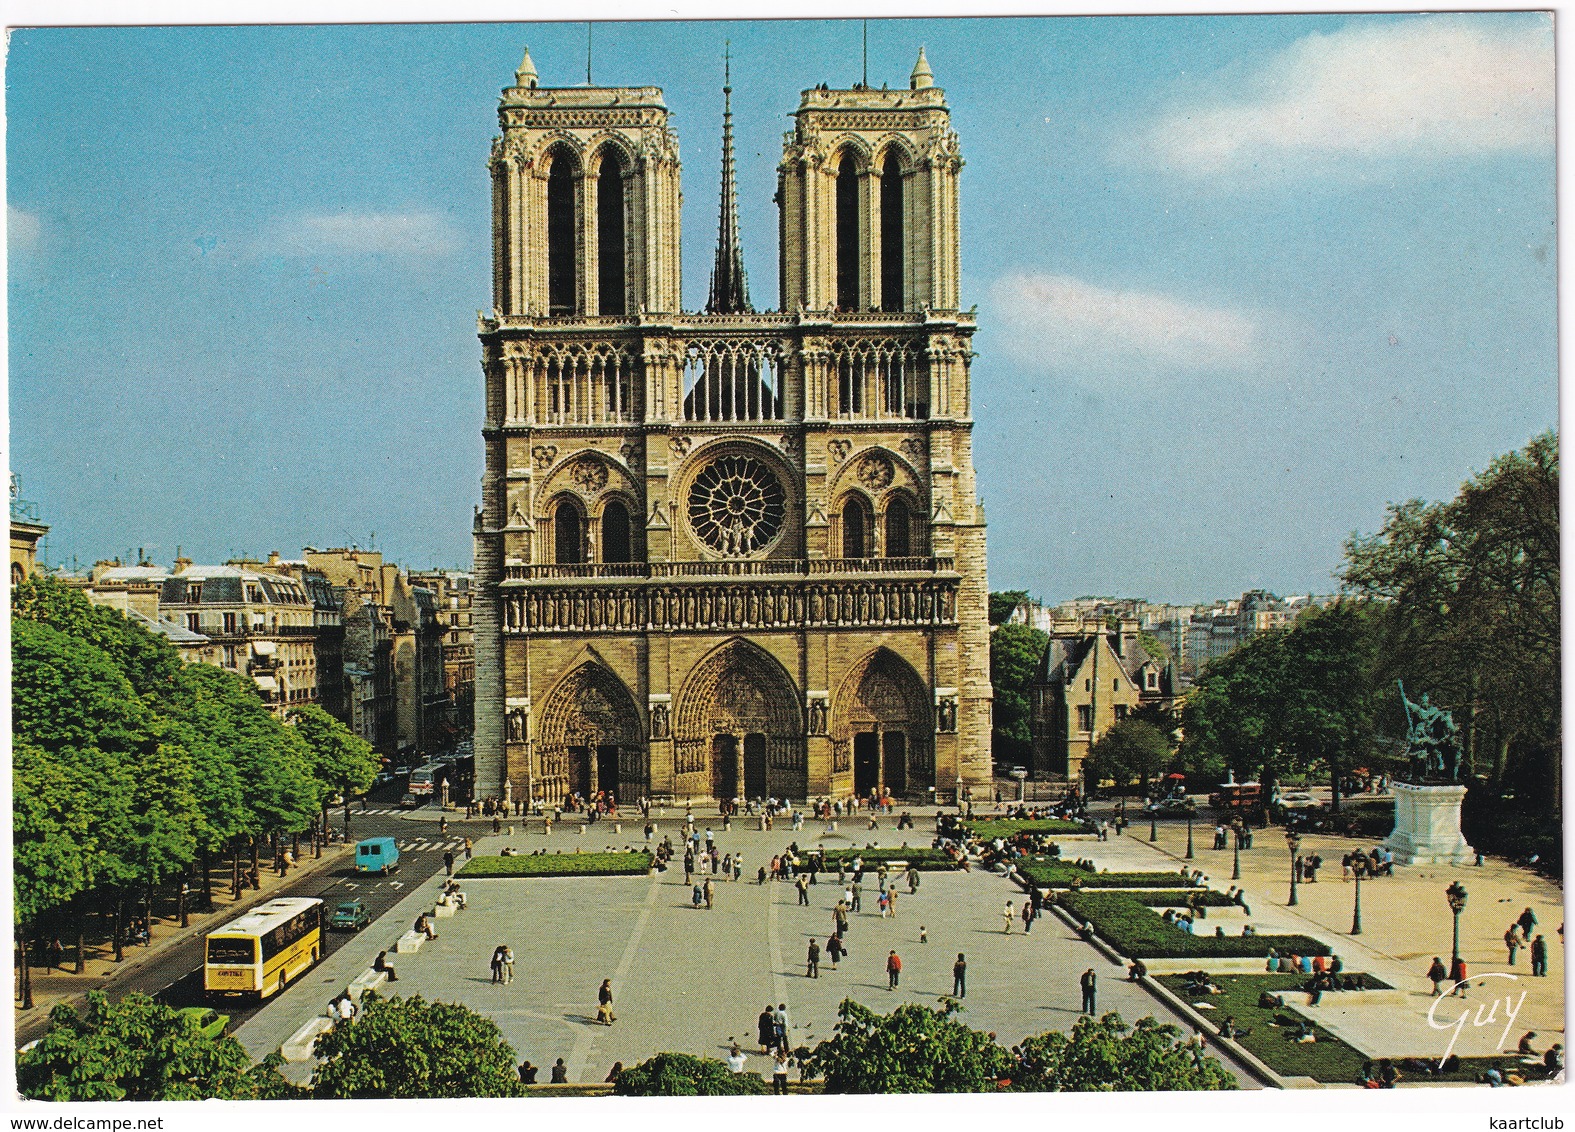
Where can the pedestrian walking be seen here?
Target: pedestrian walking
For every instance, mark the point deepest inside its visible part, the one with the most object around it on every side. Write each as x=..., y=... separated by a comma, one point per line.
x=924, y=934
x=766, y=1030
x=508, y=964
x=813, y=970
x=893, y=971
x=835, y=949
x=1539, y=957
x=710, y=895
x=891, y=901
x=1006, y=918
x=738, y=867
x=497, y=964
x=858, y=896
x=1089, y=983
x=960, y=977
x=1513, y=940
x=913, y=881
x=1528, y=923
x=1457, y=975
x=604, y=1004
x=802, y=884
x=442, y=826
x=497, y=824
x=779, y=1022
x=448, y=862
x=468, y=849
x=1436, y=974
x=698, y=896
x=1028, y=916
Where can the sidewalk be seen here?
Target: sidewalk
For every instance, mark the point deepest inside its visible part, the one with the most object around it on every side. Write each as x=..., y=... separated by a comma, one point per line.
x=1406, y=921
x=53, y=987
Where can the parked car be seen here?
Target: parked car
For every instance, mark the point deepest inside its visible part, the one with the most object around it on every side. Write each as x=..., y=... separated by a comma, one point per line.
x=1175, y=804
x=209, y=1021
x=1298, y=800
x=350, y=916
x=412, y=801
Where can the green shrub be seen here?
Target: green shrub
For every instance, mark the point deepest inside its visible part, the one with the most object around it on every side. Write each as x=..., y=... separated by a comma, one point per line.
x=1137, y=931
x=681, y=1075
x=1007, y=828
x=559, y=865
x=1049, y=873
x=924, y=859
x=1181, y=898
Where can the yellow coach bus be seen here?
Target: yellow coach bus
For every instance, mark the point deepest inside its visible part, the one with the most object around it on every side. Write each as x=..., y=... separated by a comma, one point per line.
x=259, y=953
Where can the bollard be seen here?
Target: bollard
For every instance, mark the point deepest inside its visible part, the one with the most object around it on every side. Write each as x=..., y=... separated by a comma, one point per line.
x=832, y=828
x=581, y=830
x=617, y=827
x=511, y=831
x=762, y=823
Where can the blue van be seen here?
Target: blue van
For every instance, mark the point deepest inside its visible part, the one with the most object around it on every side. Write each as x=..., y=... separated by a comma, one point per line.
x=376, y=855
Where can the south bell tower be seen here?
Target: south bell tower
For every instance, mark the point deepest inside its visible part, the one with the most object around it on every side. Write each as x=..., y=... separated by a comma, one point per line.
x=728, y=553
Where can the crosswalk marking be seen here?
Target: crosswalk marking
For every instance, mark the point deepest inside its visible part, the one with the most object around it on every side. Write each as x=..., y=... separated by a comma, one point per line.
x=424, y=845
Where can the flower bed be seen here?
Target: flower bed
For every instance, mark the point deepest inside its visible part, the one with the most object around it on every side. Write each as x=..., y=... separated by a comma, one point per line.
x=559, y=865
x=924, y=859
x=1328, y=1059
x=1137, y=931
x=1046, y=872
x=988, y=829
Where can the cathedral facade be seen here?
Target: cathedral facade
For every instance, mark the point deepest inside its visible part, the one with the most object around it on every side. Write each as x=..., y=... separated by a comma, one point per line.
x=728, y=553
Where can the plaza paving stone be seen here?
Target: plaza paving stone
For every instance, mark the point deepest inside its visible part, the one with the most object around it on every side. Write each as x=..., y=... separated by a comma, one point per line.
x=689, y=980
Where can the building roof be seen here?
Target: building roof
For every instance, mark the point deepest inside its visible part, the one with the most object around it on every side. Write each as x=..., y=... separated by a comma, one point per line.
x=175, y=634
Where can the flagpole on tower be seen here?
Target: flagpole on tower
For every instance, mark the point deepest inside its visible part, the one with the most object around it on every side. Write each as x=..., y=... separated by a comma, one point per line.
x=866, y=53
x=588, y=26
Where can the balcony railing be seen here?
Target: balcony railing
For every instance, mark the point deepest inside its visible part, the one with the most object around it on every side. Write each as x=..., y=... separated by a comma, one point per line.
x=770, y=567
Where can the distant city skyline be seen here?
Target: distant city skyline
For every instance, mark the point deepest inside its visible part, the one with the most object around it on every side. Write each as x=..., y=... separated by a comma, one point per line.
x=1241, y=280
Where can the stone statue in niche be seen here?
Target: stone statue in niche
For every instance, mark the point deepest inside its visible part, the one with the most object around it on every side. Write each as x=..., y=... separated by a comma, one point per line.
x=658, y=721
x=817, y=717
x=946, y=715
x=517, y=725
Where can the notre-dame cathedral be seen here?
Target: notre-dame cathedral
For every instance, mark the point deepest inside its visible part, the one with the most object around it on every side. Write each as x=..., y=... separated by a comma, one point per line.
x=732, y=552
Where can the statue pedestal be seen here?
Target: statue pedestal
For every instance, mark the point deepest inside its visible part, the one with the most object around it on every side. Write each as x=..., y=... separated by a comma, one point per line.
x=1427, y=826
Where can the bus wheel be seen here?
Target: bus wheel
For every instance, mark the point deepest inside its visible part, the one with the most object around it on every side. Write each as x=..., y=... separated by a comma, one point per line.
x=281, y=983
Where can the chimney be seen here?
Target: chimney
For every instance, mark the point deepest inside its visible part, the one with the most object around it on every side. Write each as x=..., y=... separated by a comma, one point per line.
x=273, y=558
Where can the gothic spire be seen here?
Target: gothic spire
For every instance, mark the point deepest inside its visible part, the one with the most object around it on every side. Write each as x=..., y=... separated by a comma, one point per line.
x=729, y=285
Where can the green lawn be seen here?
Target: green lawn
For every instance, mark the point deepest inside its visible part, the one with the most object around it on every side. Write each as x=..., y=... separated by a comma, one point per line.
x=1137, y=931
x=1328, y=1059
x=560, y=865
x=1048, y=872
x=990, y=828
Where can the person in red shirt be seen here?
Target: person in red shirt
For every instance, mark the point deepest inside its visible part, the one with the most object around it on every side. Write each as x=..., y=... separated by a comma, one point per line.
x=893, y=971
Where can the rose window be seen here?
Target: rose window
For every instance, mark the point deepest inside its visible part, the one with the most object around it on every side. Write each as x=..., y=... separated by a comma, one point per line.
x=736, y=505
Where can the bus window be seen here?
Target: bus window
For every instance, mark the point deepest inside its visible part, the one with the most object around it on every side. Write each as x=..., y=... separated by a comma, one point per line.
x=232, y=951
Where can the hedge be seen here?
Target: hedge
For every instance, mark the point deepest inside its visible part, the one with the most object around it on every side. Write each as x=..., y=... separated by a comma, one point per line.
x=559, y=865
x=1328, y=1059
x=1137, y=931
x=1007, y=828
x=1181, y=898
x=924, y=859
x=1049, y=873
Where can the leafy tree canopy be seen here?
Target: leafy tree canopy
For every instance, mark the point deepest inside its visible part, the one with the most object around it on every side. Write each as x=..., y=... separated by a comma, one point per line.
x=406, y=1049
x=914, y=1049
x=1015, y=653
x=1131, y=751
x=680, y=1075
x=339, y=758
x=134, y=1050
x=1003, y=602
x=50, y=840
x=1107, y=1056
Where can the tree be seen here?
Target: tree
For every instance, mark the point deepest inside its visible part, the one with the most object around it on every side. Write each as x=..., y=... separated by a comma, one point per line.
x=1471, y=592
x=1131, y=750
x=407, y=1049
x=341, y=761
x=1330, y=695
x=914, y=1049
x=680, y=1075
x=1107, y=1056
x=133, y=1050
x=1003, y=602
x=50, y=842
x=1016, y=652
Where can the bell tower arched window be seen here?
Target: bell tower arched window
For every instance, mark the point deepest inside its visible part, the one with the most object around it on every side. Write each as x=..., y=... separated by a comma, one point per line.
x=893, y=236
x=568, y=534
x=561, y=274
x=611, y=253
x=847, y=234
x=899, y=529
x=615, y=533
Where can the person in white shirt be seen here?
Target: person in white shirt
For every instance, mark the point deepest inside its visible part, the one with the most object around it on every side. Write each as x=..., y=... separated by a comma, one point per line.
x=736, y=1059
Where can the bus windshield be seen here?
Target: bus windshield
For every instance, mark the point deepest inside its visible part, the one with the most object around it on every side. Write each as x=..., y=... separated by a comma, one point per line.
x=232, y=951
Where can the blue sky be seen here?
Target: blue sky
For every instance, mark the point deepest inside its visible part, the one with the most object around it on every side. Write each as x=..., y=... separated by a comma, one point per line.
x=1241, y=280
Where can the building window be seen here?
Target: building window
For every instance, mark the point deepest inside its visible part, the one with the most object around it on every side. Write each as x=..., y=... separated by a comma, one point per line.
x=229, y=656
x=1088, y=685
x=229, y=623
x=609, y=235
x=615, y=533
x=847, y=234
x=853, y=528
x=899, y=526
x=253, y=594
x=560, y=236
x=1085, y=717
x=1153, y=680
x=1115, y=685
x=891, y=234
x=194, y=593
x=1121, y=712
x=191, y=622
x=567, y=541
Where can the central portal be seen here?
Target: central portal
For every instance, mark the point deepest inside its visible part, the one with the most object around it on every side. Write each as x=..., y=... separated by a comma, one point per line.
x=739, y=728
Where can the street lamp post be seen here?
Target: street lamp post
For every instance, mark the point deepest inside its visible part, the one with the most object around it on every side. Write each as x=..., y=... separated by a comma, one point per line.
x=1235, y=864
x=1356, y=911
x=1456, y=895
x=1153, y=830
x=1293, y=843
x=1189, y=833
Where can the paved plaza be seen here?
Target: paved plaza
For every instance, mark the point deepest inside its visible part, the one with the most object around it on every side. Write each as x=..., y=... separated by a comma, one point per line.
x=689, y=980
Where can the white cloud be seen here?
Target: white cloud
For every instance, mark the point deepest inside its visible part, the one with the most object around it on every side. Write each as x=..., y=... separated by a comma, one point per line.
x=416, y=234
x=1421, y=88
x=23, y=229
x=1072, y=325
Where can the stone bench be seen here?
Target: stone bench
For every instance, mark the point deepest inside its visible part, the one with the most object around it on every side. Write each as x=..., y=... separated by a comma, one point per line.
x=410, y=942
x=443, y=911
x=367, y=980
x=299, y=1047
